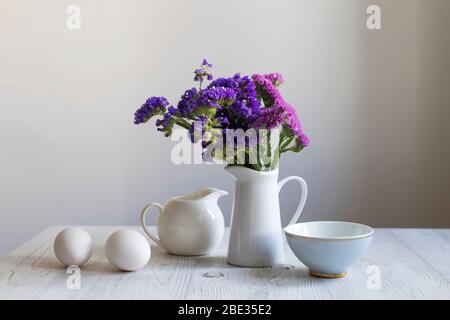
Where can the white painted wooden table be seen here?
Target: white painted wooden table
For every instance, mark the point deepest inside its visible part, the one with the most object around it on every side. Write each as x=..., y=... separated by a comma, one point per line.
x=414, y=264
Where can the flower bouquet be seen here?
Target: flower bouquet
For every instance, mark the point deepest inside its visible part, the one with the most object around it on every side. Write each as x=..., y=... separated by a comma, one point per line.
x=241, y=120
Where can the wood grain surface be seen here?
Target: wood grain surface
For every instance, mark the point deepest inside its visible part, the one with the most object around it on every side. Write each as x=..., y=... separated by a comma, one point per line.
x=414, y=264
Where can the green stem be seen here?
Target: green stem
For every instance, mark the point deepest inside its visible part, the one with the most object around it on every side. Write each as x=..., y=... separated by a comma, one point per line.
x=276, y=159
x=286, y=143
x=183, y=123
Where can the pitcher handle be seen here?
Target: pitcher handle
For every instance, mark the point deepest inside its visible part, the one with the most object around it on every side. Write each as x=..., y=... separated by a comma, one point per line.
x=147, y=231
x=302, y=202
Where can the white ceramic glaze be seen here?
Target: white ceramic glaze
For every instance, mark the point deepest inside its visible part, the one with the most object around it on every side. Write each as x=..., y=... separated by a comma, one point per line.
x=256, y=236
x=73, y=246
x=328, y=248
x=189, y=225
x=127, y=250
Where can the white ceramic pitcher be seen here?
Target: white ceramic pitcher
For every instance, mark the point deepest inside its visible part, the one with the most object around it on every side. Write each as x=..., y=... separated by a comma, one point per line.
x=189, y=225
x=256, y=235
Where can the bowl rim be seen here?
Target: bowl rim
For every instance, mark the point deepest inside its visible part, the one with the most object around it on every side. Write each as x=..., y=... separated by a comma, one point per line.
x=360, y=236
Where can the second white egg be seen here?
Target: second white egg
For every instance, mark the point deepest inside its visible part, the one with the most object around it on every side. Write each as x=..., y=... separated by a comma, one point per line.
x=127, y=250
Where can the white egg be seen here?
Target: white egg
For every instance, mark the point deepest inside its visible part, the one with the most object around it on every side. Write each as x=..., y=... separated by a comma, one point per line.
x=127, y=250
x=73, y=246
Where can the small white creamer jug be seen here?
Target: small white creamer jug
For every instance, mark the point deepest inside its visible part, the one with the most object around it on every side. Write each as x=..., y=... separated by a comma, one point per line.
x=189, y=225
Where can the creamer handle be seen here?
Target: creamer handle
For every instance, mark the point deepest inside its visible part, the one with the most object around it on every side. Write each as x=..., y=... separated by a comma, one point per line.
x=147, y=231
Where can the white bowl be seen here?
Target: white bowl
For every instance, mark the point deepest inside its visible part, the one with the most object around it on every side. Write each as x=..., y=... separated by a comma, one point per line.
x=328, y=248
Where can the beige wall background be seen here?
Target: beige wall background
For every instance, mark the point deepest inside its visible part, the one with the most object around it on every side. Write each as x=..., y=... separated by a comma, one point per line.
x=376, y=105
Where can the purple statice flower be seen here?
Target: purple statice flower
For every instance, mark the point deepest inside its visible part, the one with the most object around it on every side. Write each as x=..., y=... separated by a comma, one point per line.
x=211, y=96
x=244, y=106
x=292, y=120
x=293, y=123
x=269, y=118
x=166, y=123
x=251, y=97
x=283, y=113
x=275, y=78
x=268, y=91
x=206, y=64
x=273, y=115
x=240, y=109
x=226, y=82
x=187, y=101
x=203, y=101
x=304, y=140
x=153, y=106
x=203, y=72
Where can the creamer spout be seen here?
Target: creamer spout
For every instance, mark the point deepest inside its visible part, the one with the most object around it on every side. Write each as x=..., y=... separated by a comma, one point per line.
x=213, y=194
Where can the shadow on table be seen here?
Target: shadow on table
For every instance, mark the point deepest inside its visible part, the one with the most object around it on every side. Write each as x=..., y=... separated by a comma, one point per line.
x=285, y=273
x=97, y=262
x=163, y=258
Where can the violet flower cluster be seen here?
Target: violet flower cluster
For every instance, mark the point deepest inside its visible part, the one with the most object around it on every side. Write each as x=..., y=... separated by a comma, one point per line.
x=237, y=102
